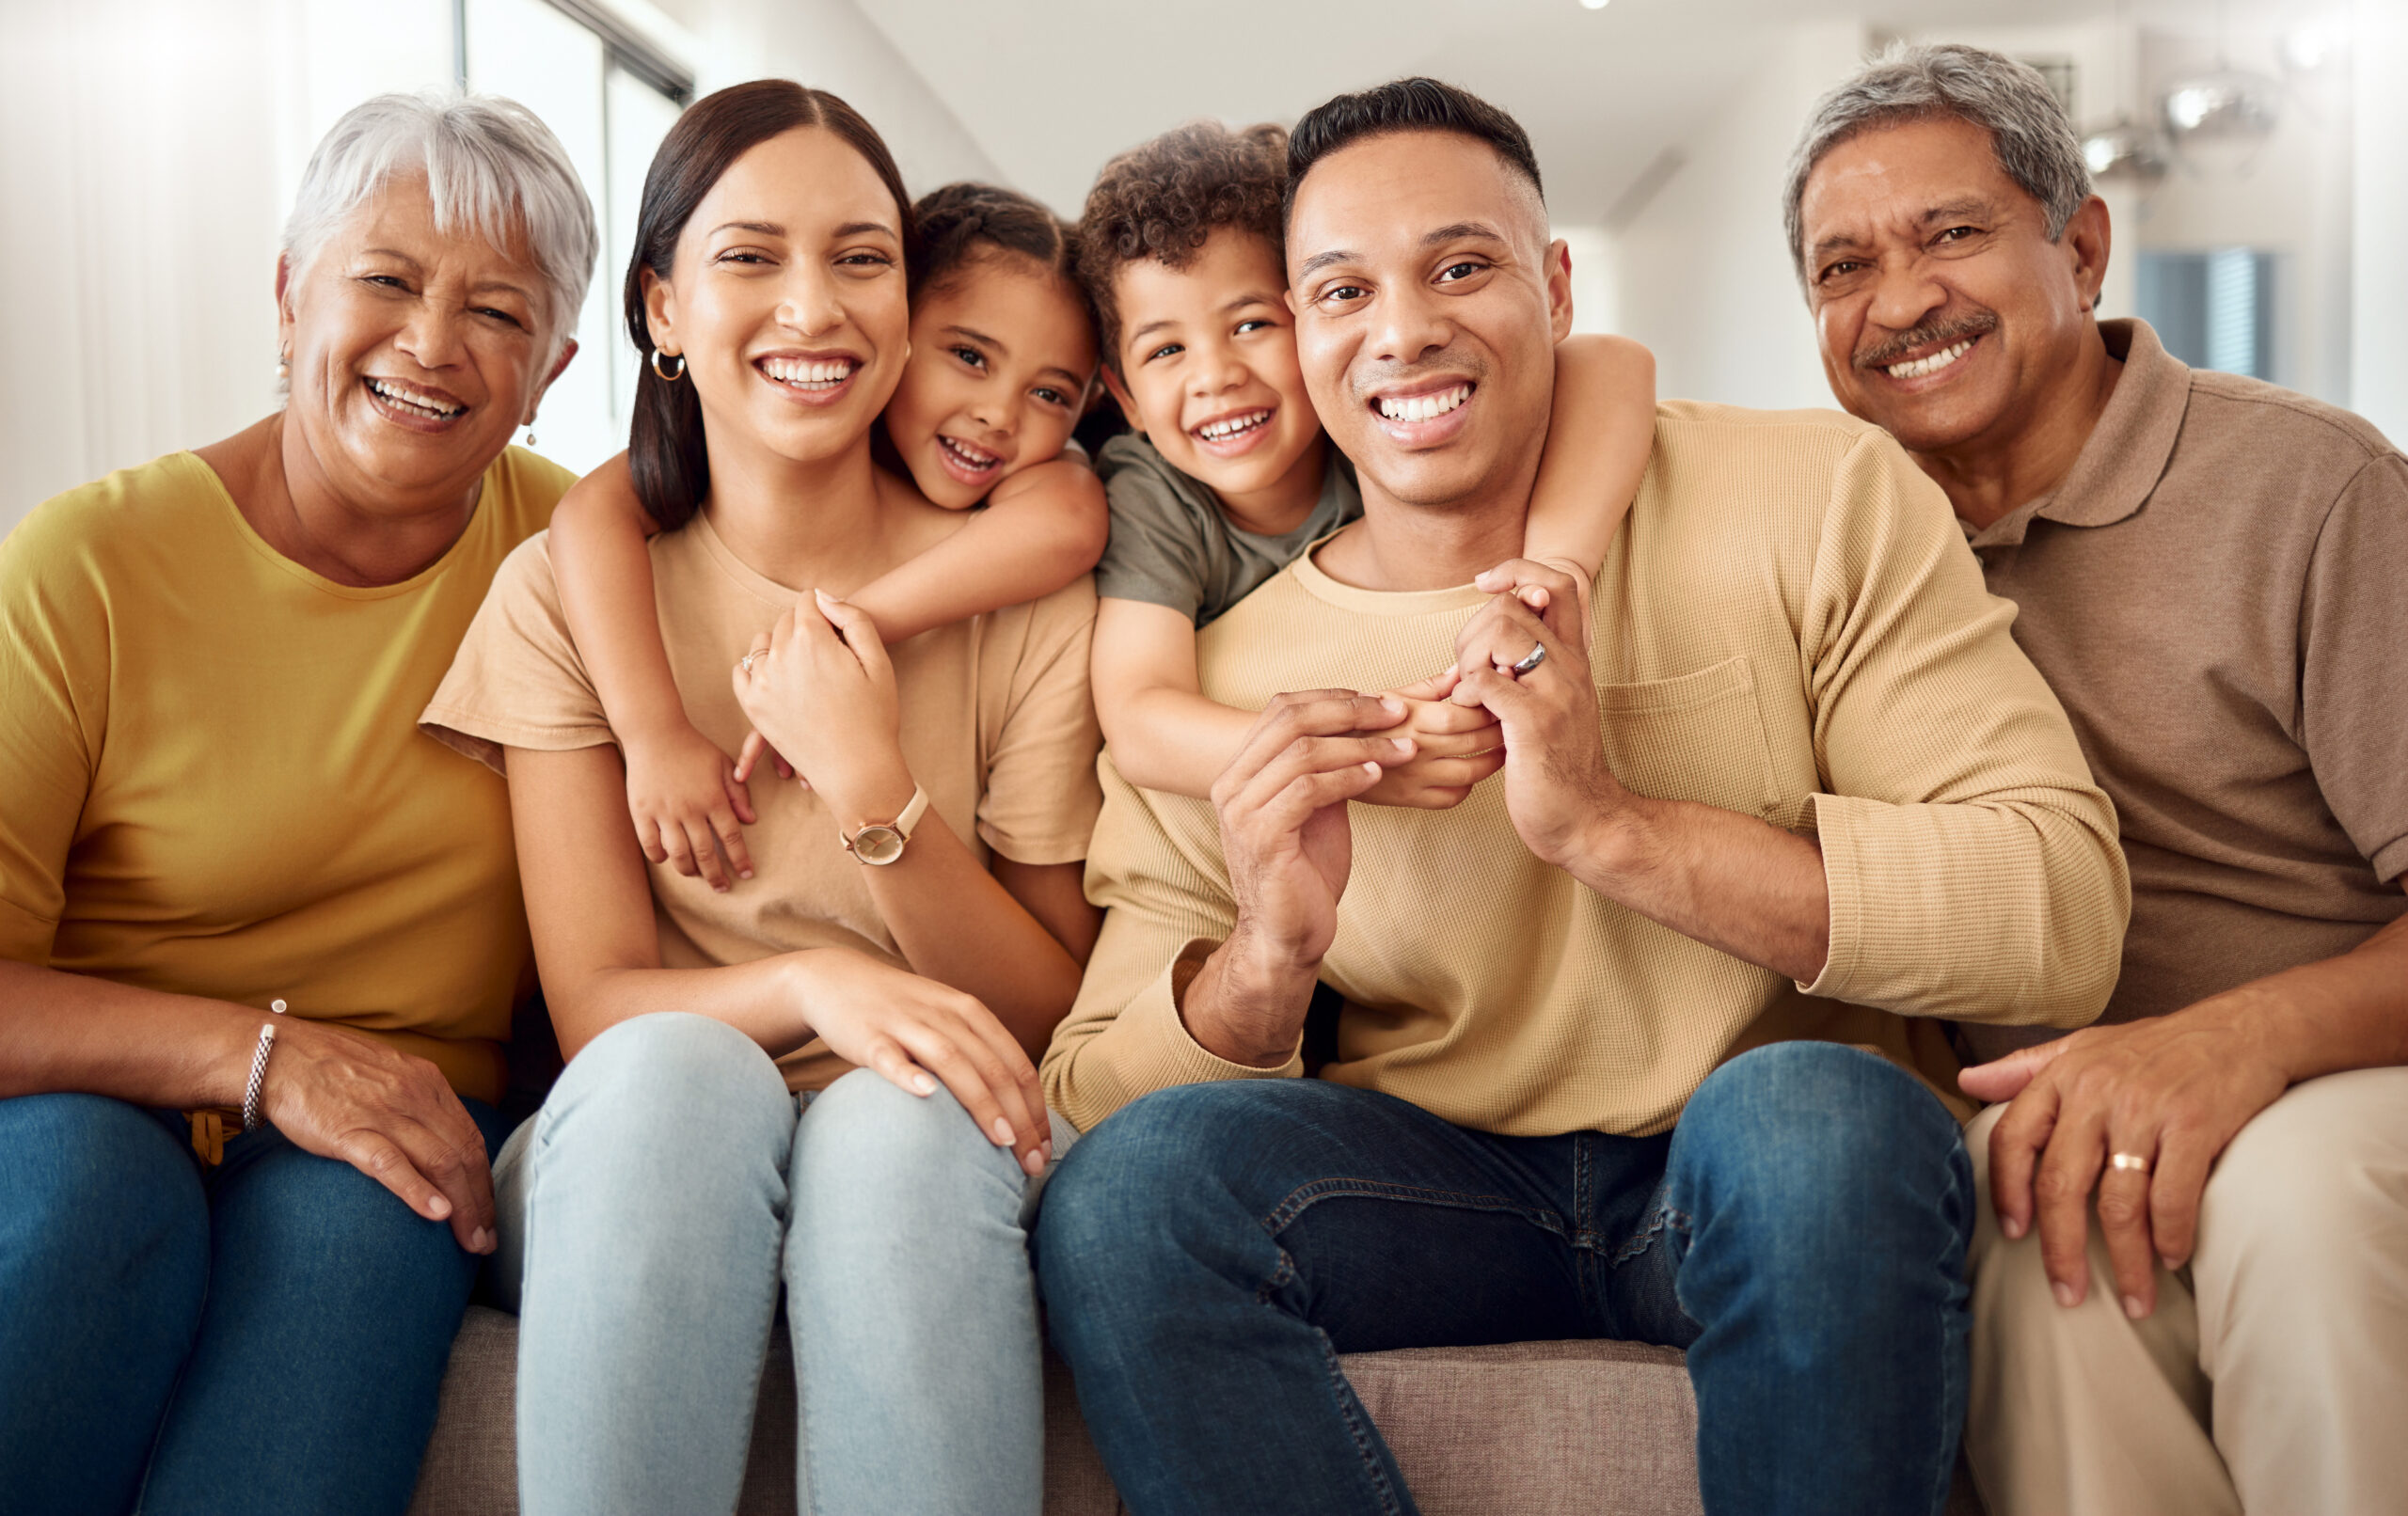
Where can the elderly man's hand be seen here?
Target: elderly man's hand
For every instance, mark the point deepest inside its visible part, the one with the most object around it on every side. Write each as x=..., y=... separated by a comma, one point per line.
x=1558, y=785
x=2171, y=1091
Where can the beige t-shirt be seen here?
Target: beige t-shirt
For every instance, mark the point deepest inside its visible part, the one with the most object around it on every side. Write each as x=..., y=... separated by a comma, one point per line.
x=997, y=727
x=1788, y=627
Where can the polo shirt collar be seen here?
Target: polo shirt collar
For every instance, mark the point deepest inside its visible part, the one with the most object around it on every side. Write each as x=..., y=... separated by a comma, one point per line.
x=2127, y=452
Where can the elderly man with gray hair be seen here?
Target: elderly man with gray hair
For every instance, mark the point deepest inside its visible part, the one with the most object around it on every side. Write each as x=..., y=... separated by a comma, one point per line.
x=2213, y=573
x=259, y=941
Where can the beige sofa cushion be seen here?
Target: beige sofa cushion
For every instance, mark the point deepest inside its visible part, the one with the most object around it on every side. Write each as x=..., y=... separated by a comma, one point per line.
x=1604, y=1429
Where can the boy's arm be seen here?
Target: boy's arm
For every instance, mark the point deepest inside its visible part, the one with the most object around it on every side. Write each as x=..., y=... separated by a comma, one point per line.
x=1597, y=443
x=681, y=792
x=1163, y=733
x=1042, y=527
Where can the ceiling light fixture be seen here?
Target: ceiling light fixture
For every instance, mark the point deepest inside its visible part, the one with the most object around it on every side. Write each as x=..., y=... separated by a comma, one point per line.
x=2122, y=152
x=1593, y=5
x=2219, y=119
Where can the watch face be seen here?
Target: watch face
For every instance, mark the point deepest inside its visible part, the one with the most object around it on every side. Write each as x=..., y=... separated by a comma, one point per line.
x=878, y=844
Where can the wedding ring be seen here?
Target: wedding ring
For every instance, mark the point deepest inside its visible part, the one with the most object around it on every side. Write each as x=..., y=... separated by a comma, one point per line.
x=747, y=662
x=1533, y=659
x=2134, y=1161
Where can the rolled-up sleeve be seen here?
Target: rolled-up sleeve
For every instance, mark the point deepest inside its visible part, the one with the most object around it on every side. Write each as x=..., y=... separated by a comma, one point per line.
x=1168, y=907
x=1972, y=865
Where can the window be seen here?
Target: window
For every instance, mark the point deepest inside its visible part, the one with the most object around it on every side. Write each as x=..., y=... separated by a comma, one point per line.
x=2212, y=310
x=610, y=98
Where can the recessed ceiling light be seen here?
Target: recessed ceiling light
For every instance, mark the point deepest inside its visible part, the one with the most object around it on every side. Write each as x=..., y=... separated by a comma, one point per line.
x=1595, y=5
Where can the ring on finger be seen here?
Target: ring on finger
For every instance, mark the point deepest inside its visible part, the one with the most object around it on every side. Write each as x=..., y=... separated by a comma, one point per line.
x=2134, y=1162
x=750, y=658
x=1531, y=659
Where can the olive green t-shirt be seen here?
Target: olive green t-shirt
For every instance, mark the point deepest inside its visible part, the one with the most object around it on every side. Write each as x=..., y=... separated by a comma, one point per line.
x=1172, y=546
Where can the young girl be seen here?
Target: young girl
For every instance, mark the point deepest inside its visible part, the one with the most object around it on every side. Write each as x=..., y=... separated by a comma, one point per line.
x=1001, y=368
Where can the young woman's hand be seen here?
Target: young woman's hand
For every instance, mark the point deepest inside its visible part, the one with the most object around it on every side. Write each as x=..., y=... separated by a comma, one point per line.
x=387, y=1113
x=820, y=690
x=916, y=1031
x=689, y=802
x=1454, y=748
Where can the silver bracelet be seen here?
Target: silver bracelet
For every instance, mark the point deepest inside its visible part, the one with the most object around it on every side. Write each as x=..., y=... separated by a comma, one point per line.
x=259, y=1071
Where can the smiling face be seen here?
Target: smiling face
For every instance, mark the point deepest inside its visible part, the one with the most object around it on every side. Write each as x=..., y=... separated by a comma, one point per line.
x=1001, y=355
x=1429, y=302
x=786, y=299
x=1943, y=311
x=414, y=354
x=1206, y=370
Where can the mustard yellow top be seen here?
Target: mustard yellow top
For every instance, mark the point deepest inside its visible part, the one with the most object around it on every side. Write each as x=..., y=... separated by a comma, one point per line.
x=212, y=781
x=1788, y=625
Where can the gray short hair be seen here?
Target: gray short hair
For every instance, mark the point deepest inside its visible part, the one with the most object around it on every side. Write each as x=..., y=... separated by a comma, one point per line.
x=2035, y=143
x=492, y=168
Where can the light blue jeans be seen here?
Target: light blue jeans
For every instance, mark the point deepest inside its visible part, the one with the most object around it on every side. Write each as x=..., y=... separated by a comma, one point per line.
x=649, y=1213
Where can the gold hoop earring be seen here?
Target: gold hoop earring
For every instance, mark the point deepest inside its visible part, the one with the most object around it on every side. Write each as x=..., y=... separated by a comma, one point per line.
x=666, y=377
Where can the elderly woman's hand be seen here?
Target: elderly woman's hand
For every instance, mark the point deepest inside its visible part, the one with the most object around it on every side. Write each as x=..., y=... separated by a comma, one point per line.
x=388, y=1114
x=818, y=687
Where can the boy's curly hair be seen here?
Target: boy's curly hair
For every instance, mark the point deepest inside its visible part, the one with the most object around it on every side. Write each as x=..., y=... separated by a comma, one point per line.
x=1163, y=198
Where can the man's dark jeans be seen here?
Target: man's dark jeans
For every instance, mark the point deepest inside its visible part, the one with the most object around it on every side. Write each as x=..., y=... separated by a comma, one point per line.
x=1207, y=1253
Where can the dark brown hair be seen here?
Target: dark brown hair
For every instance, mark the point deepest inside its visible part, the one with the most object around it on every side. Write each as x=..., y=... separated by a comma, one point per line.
x=665, y=449
x=962, y=223
x=1164, y=198
x=1415, y=105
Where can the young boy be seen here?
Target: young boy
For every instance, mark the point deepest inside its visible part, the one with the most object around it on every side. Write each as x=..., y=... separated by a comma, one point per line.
x=1227, y=476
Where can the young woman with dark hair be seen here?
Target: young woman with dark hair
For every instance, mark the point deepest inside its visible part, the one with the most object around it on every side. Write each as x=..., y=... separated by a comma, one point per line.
x=1001, y=366
x=819, y=1077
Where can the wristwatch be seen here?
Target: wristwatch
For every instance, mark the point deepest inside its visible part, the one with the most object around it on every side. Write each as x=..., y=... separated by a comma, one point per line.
x=880, y=843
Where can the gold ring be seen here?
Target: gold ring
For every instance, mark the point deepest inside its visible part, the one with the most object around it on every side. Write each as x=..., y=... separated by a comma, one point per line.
x=2132, y=1162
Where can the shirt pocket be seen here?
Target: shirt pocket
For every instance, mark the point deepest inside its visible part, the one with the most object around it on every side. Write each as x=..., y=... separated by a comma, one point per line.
x=1695, y=737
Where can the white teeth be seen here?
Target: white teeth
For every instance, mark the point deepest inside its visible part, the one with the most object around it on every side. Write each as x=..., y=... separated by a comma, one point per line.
x=1422, y=408
x=1933, y=364
x=821, y=374
x=969, y=456
x=413, y=401
x=1231, y=426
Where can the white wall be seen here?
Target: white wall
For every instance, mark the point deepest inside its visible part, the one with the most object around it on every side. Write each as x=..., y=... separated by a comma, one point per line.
x=149, y=151
x=1702, y=274
x=2379, y=264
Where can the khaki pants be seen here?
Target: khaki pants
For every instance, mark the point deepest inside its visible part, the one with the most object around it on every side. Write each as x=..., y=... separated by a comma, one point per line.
x=2273, y=1376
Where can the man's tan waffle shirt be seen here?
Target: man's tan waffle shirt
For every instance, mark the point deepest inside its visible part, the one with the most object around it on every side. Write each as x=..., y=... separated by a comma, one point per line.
x=1789, y=625
x=2219, y=593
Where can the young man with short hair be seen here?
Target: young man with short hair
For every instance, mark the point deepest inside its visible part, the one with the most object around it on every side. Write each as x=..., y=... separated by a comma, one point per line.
x=1799, y=746
x=2212, y=573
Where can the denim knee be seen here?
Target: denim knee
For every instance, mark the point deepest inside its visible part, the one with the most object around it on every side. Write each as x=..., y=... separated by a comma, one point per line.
x=100, y=1201
x=869, y=1134
x=1825, y=1149
x=683, y=1078
x=1145, y=1191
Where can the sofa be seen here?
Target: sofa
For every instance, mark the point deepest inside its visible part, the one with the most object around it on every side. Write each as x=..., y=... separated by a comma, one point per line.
x=1601, y=1428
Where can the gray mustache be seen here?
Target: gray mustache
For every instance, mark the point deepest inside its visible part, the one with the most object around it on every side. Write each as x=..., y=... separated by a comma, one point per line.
x=1941, y=332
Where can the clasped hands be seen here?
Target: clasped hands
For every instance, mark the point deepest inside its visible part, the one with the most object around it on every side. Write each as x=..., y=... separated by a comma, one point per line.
x=1282, y=802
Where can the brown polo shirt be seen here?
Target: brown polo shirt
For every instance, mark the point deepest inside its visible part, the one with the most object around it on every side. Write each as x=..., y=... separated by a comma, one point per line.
x=2219, y=594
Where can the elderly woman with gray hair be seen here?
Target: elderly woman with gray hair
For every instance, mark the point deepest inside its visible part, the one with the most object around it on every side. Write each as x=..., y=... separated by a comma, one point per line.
x=259, y=941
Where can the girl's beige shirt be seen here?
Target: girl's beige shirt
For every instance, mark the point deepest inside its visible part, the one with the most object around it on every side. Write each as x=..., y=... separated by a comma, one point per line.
x=997, y=728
